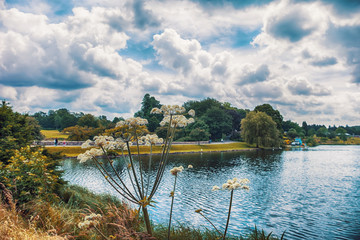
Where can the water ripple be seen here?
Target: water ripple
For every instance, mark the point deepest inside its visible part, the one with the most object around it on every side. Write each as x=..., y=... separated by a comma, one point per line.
x=312, y=194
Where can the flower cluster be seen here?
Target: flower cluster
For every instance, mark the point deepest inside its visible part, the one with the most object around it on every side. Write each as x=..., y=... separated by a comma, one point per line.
x=135, y=121
x=89, y=221
x=176, y=121
x=233, y=184
x=150, y=139
x=131, y=128
x=169, y=110
x=176, y=170
x=93, y=152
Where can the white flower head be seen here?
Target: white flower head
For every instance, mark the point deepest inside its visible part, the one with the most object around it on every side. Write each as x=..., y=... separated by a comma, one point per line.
x=215, y=188
x=190, y=166
x=87, y=144
x=233, y=184
x=93, y=152
x=176, y=170
x=191, y=112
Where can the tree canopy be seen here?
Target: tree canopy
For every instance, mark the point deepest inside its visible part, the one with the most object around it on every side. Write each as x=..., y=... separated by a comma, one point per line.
x=259, y=128
x=16, y=131
x=274, y=114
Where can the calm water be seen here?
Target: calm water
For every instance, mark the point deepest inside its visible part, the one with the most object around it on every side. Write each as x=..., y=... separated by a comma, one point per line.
x=312, y=194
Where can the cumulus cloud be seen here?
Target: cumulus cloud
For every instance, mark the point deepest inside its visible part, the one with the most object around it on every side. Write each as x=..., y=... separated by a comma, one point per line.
x=326, y=61
x=251, y=75
x=301, y=86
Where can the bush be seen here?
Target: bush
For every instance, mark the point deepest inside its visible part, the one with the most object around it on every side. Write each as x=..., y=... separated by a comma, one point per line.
x=31, y=174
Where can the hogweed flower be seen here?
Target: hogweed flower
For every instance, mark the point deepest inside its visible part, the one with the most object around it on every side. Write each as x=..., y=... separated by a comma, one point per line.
x=89, y=221
x=215, y=188
x=151, y=139
x=233, y=184
x=190, y=166
x=176, y=170
x=93, y=152
x=192, y=112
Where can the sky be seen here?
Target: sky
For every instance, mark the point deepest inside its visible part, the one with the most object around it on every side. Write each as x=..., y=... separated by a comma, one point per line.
x=102, y=56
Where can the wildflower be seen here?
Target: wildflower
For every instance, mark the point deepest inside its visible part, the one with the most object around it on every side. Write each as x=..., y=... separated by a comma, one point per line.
x=234, y=183
x=176, y=170
x=191, y=113
x=215, y=188
x=87, y=144
x=151, y=139
x=93, y=152
x=190, y=166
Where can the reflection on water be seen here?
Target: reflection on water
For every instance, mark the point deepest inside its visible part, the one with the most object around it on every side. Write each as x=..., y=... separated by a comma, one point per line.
x=313, y=194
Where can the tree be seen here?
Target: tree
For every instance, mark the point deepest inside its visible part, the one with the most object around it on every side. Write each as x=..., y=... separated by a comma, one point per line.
x=322, y=132
x=199, y=134
x=201, y=107
x=259, y=128
x=16, y=131
x=147, y=104
x=341, y=132
x=218, y=121
x=274, y=114
x=88, y=120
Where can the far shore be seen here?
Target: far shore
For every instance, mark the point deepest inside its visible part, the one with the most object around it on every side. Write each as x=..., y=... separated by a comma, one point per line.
x=74, y=151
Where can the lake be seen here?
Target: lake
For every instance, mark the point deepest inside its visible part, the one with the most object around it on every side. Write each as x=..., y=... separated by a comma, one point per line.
x=312, y=194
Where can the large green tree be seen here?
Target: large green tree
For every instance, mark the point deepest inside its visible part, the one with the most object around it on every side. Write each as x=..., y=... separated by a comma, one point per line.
x=16, y=131
x=218, y=121
x=260, y=129
x=274, y=114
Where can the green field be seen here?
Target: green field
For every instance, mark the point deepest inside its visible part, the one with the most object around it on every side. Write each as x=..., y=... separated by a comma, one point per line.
x=52, y=134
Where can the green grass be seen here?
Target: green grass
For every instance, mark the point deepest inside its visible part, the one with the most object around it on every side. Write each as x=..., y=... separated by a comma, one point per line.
x=185, y=148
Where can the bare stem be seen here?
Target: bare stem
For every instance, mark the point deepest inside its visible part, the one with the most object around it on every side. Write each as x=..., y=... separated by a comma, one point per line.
x=171, y=209
x=228, y=219
x=207, y=219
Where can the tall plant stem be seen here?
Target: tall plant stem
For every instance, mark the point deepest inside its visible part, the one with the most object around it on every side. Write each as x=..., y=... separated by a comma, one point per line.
x=228, y=219
x=147, y=220
x=133, y=170
x=172, y=204
x=207, y=219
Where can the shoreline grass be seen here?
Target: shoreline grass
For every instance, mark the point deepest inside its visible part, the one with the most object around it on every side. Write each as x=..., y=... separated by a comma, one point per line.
x=74, y=151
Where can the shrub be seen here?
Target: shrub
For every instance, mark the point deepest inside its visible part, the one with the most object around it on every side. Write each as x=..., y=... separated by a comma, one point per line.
x=31, y=174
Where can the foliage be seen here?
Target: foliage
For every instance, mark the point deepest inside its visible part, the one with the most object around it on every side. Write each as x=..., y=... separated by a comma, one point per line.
x=147, y=104
x=259, y=128
x=31, y=174
x=16, y=131
x=218, y=121
x=88, y=120
x=274, y=114
x=78, y=133
x=63, y=118
x=322, y=132
x=199, y=134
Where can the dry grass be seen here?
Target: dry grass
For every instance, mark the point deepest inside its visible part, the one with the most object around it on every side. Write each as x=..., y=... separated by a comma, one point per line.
x=13, y=226
x=52, y=134
x=186, y=148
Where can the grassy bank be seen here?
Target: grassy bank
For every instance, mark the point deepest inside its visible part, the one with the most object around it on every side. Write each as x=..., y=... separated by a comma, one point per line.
x=62, y=219
x=186, y=148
